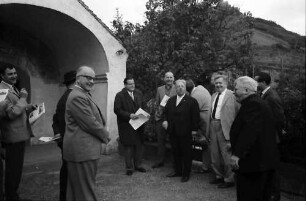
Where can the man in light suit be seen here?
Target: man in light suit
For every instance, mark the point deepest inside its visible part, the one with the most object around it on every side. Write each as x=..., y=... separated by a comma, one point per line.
x=203, y=98
x=181, y=120
x=224, y=111
x=15, y=130
x=85, y=132
x=126, y=104
x=254, y=151
x=271, y=97
x=3, y=105
x=167, y=90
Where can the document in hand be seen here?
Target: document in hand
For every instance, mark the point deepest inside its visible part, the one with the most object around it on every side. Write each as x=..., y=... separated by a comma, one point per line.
x=3, y=94
x=164, y=101
x=49, y=139
x=36, y=114
x=143, y=117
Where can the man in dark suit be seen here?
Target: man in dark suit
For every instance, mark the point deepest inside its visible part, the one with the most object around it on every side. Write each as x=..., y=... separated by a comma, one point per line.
x=84, y=134
x=165, y=91
x=254, y=152
x=271, y=97
x=126, y=104
x=181, y=120
x=59, y=125
x=15, y=130
x=223, y=112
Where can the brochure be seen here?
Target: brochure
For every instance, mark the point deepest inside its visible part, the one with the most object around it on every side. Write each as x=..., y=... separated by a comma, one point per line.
x=36, y=114
x=143, y=117
x=3, y=94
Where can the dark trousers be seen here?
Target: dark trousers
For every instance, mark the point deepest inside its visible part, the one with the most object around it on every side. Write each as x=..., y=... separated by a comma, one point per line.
x=255, y=186
x=161, y=142
x=182, y=153
x=133, y=156
x=81, y=180
x=63, y=180
x=13, y=168
x=1, y=178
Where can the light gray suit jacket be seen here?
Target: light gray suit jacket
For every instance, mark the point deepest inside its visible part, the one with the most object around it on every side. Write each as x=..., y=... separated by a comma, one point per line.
x=160, y=93
x=229, y=110
x=203, y=98
x=15, y=126
x=85, y=131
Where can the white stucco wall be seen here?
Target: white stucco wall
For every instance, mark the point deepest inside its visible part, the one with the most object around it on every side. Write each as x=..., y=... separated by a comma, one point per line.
x=116, y=62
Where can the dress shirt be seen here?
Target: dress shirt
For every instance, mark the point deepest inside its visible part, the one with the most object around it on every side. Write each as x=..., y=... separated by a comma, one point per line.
x=131, y=94
x=178, y=99
x=220, y=101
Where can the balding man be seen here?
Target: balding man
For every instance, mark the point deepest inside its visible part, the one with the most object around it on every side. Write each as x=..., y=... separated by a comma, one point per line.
x=84, y=133
x=163, y=92
x=181, y=120
x=254, y=151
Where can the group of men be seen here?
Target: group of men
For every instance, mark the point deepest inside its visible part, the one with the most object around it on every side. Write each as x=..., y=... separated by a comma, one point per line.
x=238, y=130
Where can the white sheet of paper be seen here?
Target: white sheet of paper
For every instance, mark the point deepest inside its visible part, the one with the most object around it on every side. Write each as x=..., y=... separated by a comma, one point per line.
x=40, y=110
x=164, y=101
x=49, y=139
x=3, y=94
x=143, y=117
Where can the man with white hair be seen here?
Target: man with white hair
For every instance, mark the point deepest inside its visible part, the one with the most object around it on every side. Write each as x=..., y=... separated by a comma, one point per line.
x=254, y=151
x=181, y=120
x=85, y=132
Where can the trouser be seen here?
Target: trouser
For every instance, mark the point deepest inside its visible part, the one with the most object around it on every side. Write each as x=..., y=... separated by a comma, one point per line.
x=204, y=129
x=81, y=180
x=220, y=153
x=133, y=156
x=255, y=186
x=1, y=178
x=182, y=153
x=13, y=168
x=161, y=142
x=63, y=180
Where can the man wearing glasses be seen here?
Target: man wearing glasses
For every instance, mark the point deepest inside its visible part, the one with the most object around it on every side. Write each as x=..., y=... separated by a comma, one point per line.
x=85, y=131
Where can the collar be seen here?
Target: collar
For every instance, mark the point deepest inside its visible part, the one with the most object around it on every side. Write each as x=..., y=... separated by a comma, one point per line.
x=168, y=87
x=223, y=92
x=9, y=85
x=264, y=91
x=180, y=97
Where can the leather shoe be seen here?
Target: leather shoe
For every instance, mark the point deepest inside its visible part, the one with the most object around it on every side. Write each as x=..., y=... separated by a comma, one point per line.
x=173, y=174
x=140, y=169
x=216, y=181
x=226, y=185
x=129, y=172
x=184, y=179
x=158, y=165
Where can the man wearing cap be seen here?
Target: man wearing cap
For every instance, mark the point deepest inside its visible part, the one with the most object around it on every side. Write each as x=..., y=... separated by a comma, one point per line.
x=84, y=134
x=58, y=126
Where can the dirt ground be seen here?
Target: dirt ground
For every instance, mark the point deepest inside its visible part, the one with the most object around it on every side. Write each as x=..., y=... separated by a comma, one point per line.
x=41, y=172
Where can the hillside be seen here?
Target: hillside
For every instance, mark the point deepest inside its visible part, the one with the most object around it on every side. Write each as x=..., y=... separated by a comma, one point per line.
x=276, y=49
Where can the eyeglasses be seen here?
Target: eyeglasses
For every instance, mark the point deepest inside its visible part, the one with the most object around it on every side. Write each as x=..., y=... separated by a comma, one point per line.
x=88, y=77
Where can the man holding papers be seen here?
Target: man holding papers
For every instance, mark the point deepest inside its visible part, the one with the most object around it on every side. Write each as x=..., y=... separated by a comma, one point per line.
x=126, y=106
x=15, y=129
x=162, y=95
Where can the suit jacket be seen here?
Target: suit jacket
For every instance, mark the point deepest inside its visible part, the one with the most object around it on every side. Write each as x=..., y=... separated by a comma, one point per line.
x=160, y=93
x=229, y=110
x=252, y=137
x=184, y=118
x=203, y=98
x=85, y=130
x=15, y=126
x=275, y=103
x=124, y=105
x=59, y=123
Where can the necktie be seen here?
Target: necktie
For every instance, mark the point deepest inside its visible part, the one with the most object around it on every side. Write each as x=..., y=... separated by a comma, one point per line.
x=215, y=106
x=132, y=96
x=16, y=90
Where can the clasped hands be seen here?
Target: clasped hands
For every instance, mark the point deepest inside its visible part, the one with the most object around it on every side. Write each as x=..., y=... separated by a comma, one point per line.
x=234, y=161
